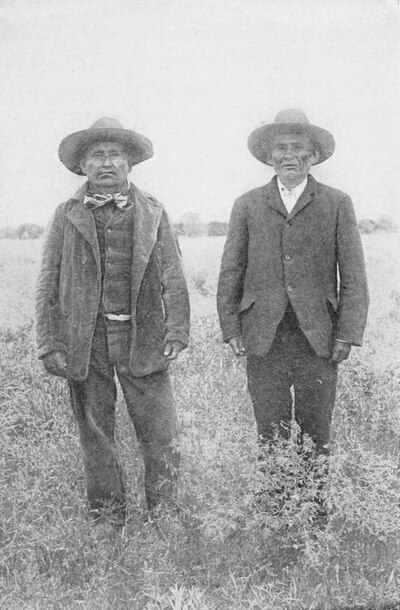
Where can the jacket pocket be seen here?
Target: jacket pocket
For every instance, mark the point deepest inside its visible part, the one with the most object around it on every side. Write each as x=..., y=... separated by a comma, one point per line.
x=247, y=301
x=334, y=302
x=332, y=305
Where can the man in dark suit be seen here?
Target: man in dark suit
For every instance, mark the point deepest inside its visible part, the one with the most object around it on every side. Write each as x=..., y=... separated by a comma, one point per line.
x=292, y=293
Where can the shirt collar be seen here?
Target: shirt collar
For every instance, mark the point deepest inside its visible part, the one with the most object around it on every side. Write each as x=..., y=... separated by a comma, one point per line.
x=297, y=190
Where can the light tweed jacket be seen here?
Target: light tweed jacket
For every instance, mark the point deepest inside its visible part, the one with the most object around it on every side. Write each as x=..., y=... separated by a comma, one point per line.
x=68, y=290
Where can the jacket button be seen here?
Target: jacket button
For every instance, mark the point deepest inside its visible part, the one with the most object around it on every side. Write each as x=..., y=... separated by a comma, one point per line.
x=287, y=257
x=287, y=224
x=290, y=288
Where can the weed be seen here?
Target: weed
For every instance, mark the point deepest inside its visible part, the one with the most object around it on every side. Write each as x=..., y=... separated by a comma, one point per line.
x=246, y=537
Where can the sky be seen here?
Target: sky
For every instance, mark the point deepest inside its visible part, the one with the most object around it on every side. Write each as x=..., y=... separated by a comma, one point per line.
x=196, y=77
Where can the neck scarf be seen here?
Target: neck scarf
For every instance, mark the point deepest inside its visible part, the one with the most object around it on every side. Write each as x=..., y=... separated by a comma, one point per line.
x=93, y=201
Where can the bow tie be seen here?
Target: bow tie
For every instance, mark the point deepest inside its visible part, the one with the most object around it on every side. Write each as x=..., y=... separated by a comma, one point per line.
x=94, y=201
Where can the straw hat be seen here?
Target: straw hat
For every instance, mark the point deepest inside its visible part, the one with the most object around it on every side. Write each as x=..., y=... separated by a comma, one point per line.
x=290, y=121
x=103, y=130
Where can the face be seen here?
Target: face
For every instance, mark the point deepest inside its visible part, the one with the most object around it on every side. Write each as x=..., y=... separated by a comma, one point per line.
x=106, y=165
x=292, y=156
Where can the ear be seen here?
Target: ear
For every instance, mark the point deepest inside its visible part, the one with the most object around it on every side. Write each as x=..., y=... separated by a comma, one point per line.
x=315, y=156
x=128, y=154
x=81, y=166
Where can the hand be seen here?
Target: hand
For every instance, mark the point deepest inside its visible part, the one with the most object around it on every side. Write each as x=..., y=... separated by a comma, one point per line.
x=172, y=350
x=237, y=346
x=55, y=363
x=340, y=351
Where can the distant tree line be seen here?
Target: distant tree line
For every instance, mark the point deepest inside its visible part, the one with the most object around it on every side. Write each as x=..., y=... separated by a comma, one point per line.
x=191, y=225
x=214, y=228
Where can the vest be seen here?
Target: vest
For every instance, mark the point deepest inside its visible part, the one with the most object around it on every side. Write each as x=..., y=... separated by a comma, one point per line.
x=114, y=234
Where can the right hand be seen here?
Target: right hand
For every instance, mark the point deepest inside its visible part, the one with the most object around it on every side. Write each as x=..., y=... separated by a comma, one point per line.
x=55, y=363
x=237, y=346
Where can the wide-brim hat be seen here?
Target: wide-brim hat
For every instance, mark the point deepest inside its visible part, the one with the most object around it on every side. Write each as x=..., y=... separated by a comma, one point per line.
x=105, y=129
x=290, y=121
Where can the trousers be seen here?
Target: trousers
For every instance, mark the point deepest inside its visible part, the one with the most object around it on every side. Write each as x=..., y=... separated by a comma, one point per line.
x=151, y=406
x=292, y=363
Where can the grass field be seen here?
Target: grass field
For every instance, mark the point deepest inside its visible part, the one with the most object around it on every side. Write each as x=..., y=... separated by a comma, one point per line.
x=229, y=551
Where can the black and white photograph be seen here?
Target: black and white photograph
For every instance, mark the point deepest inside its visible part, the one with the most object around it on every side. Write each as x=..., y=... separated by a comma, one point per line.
x=200, y=305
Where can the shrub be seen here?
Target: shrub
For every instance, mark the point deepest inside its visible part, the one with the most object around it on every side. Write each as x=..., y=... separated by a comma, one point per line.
x=24, y=231
x=386, y=223
x=367, y=226
x=216, y=229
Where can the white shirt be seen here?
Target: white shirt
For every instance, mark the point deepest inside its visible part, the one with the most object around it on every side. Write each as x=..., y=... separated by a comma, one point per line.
x=290, y=196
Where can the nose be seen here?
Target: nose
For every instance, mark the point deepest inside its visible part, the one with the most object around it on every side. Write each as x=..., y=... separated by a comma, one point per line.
x=288, y=153
x=106, y=160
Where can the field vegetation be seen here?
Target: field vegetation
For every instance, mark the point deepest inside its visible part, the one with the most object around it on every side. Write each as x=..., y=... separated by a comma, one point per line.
x=231, y=549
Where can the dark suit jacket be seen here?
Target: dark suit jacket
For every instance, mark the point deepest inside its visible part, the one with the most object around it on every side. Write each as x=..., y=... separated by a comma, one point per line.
x=312, y=257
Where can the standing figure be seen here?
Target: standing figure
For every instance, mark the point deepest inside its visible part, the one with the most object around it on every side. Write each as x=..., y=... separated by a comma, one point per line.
x=112, y=298
x=292, y=292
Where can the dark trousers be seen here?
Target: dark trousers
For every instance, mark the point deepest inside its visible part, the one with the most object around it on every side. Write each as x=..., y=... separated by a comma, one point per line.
x=292, y=363
x=151, y=405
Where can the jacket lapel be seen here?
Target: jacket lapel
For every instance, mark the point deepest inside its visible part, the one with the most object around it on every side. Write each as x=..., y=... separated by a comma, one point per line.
x=83, y=221
x=146, y=220
x=305, y=198
x=273, y=197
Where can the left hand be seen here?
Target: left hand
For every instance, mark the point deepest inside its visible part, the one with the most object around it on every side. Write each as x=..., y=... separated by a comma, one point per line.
x=172, y=349
x=340, y=351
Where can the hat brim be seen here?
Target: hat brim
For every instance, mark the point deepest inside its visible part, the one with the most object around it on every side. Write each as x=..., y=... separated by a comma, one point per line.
x=71, y=148
x=260, y=139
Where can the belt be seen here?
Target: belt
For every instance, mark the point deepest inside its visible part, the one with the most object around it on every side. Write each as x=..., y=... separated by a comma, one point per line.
x=118, y=317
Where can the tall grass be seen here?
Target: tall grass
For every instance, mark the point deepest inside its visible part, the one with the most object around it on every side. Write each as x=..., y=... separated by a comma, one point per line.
x=231, y=548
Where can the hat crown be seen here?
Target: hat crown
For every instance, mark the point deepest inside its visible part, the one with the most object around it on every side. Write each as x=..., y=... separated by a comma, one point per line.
x=106, y=123
x=291, y=115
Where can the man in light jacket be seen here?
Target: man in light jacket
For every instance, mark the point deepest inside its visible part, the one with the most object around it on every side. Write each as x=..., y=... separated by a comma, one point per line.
x=112, y=297
x=292, y=291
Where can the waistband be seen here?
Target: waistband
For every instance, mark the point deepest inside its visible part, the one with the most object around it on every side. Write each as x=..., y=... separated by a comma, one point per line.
x=117, y=317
